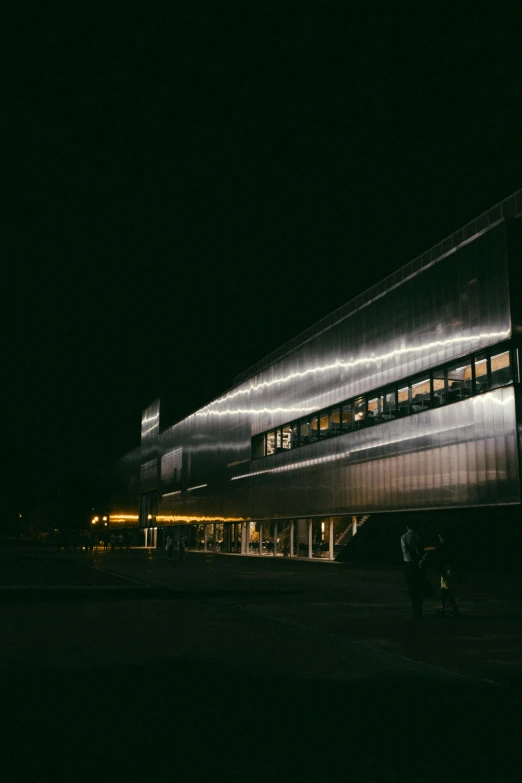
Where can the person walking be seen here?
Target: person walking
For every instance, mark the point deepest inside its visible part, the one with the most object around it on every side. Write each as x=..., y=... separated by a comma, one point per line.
x=413, y=559
x=444, y=560
x=113, y=542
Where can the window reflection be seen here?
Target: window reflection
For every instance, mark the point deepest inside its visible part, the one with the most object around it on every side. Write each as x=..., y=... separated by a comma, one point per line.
x=270, y=443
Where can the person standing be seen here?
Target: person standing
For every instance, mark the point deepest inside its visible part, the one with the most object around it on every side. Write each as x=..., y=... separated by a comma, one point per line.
x=413, y=557
x=444, y=559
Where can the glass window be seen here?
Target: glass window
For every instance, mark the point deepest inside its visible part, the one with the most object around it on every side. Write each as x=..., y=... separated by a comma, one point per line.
x=314, y=429
x=389, y=405
x=289, y=436
x=335, y=421
x=359, y=411
x=439, y=386
x=459, y=381
x=420, y=393
x=347, y=417
x=270, y=443
x=375, y=405
x=403, y=400
x=324, y=424
x=304, y=432
x=481, y=373
x=500, y=370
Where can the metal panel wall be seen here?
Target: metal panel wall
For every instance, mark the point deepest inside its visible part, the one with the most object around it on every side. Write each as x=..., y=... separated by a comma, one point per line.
x=460, y=455
x=150, y=427
x=451, y=308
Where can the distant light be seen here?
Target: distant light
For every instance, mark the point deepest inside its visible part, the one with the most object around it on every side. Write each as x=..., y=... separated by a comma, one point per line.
x=96, y=519
x=105, y=519
x=106, y=524
x=150, y=516
x=93, y=521
x=20, y=516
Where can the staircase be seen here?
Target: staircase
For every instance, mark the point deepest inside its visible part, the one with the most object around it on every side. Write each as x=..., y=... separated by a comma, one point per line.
x=347, y=533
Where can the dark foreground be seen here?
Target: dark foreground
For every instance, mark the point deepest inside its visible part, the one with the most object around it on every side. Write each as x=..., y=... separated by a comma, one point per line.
x=124, y=665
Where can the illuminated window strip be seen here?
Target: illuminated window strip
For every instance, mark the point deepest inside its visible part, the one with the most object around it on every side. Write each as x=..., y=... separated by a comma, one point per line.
x=376, y=444
x=170, y=494
x=374, y=394
x=199, y=486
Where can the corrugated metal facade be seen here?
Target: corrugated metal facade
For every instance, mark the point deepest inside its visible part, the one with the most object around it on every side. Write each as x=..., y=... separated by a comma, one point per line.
x=462, y=454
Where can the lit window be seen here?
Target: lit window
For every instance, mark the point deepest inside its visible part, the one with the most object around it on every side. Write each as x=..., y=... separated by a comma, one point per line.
x=420, y=393
x=500, y=370
x=459, y=381
x=324, y=425
x=359, y=408
x=481, y=373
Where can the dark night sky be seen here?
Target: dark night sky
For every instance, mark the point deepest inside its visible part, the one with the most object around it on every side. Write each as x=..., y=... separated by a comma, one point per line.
x=189, y=187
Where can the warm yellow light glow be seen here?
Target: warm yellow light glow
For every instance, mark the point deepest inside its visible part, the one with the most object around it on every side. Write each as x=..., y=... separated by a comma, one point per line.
x=105, y=519
x=150, y=516
x=93, y=521
x=188, y=520
x=106, y=524
x=96, y=519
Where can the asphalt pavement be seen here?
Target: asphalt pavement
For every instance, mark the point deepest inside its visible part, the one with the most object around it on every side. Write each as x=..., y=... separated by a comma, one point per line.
x=128, y=664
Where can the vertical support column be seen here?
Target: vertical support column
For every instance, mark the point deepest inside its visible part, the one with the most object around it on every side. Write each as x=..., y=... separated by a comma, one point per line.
x=146, y=537
x=260, y=538
x=331, y=539
x=243, y=538
x=292, y=538
x=205, y=534
x=275, y=539
x=310, y=543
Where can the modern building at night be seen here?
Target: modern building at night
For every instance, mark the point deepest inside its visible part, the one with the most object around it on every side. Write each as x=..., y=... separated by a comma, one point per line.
x=406, y=399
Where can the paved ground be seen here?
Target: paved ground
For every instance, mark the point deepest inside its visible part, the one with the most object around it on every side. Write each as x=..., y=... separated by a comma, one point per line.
x=127, y=664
